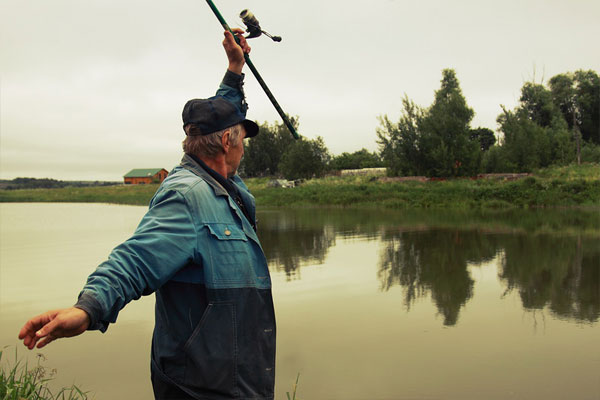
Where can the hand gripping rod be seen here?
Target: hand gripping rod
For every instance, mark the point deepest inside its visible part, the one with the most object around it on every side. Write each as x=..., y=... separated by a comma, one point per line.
x=260, y=80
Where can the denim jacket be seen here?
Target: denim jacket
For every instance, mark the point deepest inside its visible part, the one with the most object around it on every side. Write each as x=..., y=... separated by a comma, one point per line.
x=214, y=334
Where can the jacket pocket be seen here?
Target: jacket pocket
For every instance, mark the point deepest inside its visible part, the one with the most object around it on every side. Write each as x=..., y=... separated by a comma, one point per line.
x=211, y=352
x=231, y=258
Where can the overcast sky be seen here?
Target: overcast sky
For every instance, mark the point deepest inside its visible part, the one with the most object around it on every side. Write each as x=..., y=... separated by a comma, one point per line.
x=90, y=89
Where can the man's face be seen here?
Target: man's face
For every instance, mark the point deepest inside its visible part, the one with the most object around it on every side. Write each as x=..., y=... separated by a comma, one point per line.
x=235, y=154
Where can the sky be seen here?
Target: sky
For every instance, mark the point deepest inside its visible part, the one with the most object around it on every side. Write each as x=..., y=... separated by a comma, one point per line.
x=92, y=89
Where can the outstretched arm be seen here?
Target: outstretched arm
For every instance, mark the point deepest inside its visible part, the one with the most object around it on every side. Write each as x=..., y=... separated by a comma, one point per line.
x=52, y=325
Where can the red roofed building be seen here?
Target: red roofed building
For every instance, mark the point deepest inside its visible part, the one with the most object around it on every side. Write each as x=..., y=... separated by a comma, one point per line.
x=145, y=176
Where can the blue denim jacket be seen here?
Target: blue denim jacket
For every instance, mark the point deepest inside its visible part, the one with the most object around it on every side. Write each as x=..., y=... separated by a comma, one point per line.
x=214, y=334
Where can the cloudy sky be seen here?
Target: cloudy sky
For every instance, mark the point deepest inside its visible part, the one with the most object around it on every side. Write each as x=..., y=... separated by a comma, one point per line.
x=91, y=89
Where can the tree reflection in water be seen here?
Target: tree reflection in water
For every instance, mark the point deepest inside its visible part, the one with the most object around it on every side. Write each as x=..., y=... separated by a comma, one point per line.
x=291, y=240
x=551, y=259
x=559, y=272
x=562, y=273
x=434, y=262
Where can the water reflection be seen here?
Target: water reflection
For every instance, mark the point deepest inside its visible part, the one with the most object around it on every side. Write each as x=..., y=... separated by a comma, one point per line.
x=292, y=240
x=562, y=273
x=551, y=259
x=433, y=262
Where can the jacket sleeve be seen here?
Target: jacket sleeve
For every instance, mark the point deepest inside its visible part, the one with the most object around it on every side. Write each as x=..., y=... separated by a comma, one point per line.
x=232, y=89
x=163, y=243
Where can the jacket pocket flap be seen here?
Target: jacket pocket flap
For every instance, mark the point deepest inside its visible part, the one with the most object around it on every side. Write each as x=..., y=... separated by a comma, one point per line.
x=226, y=231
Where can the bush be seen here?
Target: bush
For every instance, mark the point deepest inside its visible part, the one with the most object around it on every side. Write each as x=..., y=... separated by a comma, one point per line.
x=304, y=159
x=590, y=153
x=494, y=161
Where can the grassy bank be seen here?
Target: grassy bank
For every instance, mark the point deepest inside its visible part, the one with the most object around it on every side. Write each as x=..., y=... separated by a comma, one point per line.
x=555, y=187
x=572, y=186
x=120, y=194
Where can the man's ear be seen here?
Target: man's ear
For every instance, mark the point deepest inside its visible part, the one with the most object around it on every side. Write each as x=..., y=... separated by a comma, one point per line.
x=226, y=140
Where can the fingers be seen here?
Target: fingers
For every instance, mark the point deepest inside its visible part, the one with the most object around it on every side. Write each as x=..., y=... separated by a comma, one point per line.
x=230, y=43
x=45, y=340
x=244, y=44
x=239, y=33
x=48, y=329
x=29, y=331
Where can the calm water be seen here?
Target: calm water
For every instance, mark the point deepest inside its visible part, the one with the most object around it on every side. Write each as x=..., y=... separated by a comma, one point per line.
x=370, y=305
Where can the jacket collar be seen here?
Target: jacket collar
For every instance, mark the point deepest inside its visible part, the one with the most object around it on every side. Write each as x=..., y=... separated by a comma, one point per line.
x=189, y=163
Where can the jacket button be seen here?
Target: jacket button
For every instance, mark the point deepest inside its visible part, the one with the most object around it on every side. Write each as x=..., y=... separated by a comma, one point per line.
x=227, y=232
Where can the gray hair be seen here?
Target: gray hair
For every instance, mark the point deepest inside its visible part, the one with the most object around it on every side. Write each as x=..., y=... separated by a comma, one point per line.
x=209, y=146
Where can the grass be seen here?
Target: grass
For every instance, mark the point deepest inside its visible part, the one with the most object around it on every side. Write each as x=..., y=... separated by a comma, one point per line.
x=561, y=187
x=294, y=389
x=19, y=381
x=120, y=194
x=586, y=171
x=569, y=186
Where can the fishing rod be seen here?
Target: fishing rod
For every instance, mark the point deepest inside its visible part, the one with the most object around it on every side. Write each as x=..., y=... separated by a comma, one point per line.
x=254, y=30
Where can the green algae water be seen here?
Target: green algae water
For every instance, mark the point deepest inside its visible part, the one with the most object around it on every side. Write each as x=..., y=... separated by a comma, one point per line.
x=370, y=304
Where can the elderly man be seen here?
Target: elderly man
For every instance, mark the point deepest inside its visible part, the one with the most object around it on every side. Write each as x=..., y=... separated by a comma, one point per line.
x=197, y=248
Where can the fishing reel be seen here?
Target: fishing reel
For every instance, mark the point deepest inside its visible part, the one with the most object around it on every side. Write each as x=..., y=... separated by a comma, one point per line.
x=253, y=27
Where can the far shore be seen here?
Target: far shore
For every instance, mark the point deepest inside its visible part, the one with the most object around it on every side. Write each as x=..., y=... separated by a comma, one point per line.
x=570, y=186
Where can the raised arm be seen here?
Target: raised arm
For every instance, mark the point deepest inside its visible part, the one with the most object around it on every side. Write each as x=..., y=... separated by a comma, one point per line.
x=231, y=88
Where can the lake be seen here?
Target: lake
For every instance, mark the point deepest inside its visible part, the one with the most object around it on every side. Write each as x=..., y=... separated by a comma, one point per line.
x=371, y=304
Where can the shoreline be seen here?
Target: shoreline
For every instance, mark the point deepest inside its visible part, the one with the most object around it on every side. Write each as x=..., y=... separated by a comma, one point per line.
x=562, y=187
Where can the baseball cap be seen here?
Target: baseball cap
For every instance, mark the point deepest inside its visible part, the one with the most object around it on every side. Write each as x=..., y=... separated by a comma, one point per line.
x=215, y=114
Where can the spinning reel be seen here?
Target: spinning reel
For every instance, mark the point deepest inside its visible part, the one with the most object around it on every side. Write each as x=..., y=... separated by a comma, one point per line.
x=253, y=26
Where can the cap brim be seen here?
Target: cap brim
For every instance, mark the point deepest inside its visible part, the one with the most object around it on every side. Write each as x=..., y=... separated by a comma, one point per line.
x=251, y=128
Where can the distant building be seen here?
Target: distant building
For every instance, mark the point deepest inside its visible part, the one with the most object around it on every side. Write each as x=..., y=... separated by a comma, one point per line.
x=145, y=176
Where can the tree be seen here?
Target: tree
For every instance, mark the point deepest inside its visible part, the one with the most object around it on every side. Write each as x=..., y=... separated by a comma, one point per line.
x=434, y=142
x=578, y=97
x=262, y=154
x=536, y=132
x=305, y=159
x=445, y=140
x=526, y=145
x=359, y=159
x=398, y=143
x=484, y=136
x=536, y=101
x=565, y=98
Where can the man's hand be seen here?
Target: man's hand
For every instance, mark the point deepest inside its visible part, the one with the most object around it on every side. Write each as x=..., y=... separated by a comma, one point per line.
x=235, y=53
x=53, y=325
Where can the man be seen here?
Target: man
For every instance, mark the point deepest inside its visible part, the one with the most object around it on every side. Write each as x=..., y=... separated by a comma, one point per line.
x=196, y=247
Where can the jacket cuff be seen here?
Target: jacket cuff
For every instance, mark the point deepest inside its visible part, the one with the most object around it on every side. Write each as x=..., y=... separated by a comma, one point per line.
x=233, y=80
x=236, y=82
x=93, y=308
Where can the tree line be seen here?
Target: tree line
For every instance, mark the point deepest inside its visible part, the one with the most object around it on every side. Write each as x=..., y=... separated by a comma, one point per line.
x=554, y=123
x=48, y=183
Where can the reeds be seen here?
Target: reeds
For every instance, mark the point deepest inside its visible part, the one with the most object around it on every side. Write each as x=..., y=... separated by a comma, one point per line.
x=20, y=381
